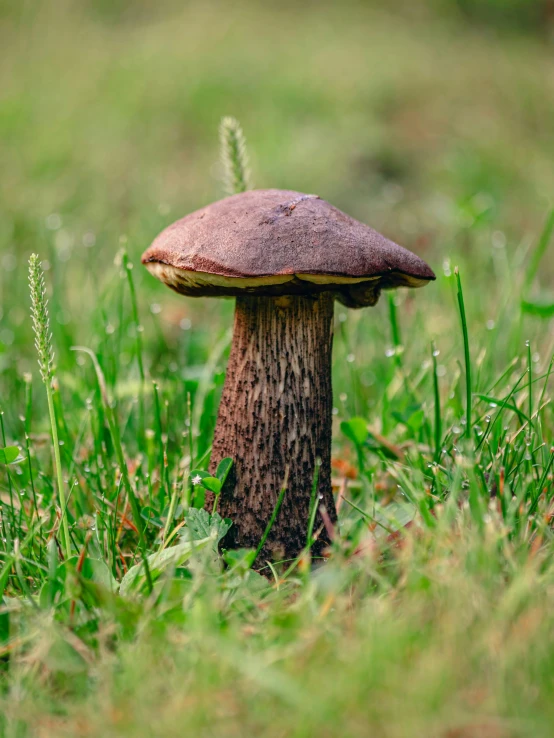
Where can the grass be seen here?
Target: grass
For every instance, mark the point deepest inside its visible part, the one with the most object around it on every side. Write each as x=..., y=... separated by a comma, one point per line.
x=433, y=614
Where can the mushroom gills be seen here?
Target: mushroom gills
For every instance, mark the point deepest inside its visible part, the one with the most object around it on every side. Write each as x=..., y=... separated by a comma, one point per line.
x=353, y=292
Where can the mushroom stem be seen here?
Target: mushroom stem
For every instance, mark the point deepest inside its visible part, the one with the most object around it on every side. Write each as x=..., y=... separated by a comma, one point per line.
x=275, y=414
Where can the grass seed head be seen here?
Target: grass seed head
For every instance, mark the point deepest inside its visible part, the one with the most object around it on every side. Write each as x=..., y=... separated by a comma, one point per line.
x=41, y=320
x=234, y=157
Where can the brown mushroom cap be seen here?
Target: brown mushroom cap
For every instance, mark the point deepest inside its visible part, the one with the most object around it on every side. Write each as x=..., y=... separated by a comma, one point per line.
x=280, y=242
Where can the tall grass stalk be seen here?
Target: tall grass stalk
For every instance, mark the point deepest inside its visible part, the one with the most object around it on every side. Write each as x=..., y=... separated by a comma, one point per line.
x=273, y=517
x=467, y=356
x=395, y=329
x=313, y=504
x=138, y=345
x=45, y=351
x=436, y=393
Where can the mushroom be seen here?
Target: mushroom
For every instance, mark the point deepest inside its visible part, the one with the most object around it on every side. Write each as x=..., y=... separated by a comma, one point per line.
x=286, y=257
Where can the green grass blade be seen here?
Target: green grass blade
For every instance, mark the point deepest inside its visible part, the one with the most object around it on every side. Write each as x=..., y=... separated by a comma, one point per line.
x=467, y=357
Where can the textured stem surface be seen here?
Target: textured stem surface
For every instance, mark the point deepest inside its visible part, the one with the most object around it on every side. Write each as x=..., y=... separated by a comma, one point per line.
x=275, y=414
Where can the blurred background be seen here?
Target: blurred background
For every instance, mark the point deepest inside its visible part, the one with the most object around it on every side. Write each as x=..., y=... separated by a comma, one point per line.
x=431, y=120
